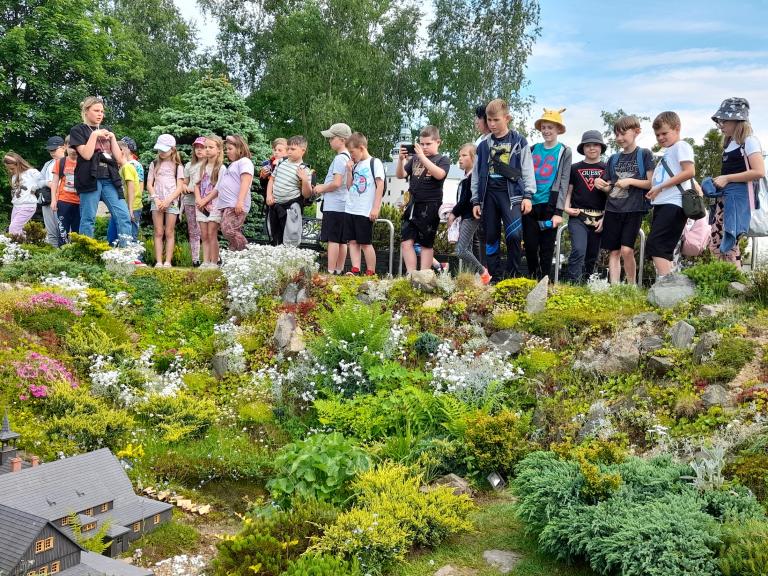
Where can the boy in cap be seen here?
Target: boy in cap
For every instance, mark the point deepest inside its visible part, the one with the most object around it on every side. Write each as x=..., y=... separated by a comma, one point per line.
x=57, y=150
x=334, y=191
x=585, y=206
x=552, y=167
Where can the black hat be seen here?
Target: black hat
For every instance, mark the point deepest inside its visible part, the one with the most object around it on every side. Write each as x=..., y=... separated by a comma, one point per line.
x=733, y=109
x=591, y=137
x=54, y=143
x=130, y=142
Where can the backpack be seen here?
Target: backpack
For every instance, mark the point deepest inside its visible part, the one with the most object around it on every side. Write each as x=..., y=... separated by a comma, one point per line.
x=373, y=173
x=758, y=224
x=695, y=237
x=614, y=160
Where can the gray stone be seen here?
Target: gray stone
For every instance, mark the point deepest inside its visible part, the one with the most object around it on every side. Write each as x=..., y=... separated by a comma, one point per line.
x=288, y=335
x=710, y=310
x=682, y=335
x=502, y=560
x=670, y=290
x=651, y=344
x=302, y=296
x=220, y=365
x=705, y=345
x=645, y=318
x=290, y=293
x=715, y=395
x=620, y=356
x=660, y=364
x=737, y=289
x=306, y=277
x=508, y=341
x=598, y=422
x=460, y=485
x=424, y=280
x=536, y=300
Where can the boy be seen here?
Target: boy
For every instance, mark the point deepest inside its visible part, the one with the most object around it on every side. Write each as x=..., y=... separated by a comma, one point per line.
x=132, y=186
x=585, y=205
x=65, y=202
x=365, y=180
x=334, y=191
x=626, y=186
x=503, y=183
x=672, y=175
x=57, y=150
x=480, y=125
x=288, y=182
x=552, y=167
x=427, y=172
x=279, y=147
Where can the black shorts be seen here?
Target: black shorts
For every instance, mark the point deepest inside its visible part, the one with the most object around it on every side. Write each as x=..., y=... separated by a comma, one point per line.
x=666, y=230
x=357, y=229
x=620, y=229
x=420, y=222
x=332, y=228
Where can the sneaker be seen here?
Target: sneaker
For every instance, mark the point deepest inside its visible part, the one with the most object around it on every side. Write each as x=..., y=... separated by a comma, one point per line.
x=485, y=277
x=159, y=265
x=138, y=263
x=444, y=266
x=196, y=264
x=167, y=265
x=354, y=272
x=370, y=273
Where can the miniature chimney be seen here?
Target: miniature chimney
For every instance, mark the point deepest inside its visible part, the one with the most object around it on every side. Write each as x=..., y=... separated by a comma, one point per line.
x=16, y=464
x=34, y=461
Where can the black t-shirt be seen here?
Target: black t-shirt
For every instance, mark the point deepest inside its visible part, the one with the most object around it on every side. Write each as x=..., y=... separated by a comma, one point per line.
x=500, y=148
x=630, y=199
x=85, y=170
x=585, y=195
x=423, y=187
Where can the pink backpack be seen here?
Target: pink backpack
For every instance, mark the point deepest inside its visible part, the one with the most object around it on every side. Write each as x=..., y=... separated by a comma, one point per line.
x=695, y=237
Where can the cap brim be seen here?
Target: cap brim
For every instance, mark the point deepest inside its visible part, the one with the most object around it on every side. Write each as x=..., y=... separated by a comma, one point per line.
x=52, y=148
x=161, y=148
x=327, y=133
x=580, y=147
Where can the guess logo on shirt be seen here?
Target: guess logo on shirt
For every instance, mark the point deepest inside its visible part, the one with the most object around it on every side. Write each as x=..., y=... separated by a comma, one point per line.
x=589, y=175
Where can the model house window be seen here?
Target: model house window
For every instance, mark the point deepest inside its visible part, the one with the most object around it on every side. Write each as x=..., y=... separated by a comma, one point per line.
x=156, y=519
x=65, y=521
x=43, y=545
x=55, y=567
x=42, y=571
x=105, y=507
x=89, y=526
x=88, y=512
x=49, y=543
x=137, y=526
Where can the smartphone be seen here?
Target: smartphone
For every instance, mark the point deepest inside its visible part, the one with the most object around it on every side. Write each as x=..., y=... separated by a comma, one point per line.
x=410, y=148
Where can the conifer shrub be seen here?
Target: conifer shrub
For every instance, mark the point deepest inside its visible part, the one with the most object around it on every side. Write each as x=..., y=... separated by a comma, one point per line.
x=497, y=442
x=745, y=548
x=322, y=565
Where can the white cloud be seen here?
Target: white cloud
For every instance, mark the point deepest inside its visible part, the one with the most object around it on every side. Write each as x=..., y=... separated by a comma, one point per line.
x=687, y=56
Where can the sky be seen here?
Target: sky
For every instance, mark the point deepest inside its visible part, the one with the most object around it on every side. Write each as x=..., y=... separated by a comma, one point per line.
x=644, y=57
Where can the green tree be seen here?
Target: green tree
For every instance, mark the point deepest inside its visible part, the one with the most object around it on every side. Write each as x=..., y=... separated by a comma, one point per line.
x=709, y=155
x=609, y=119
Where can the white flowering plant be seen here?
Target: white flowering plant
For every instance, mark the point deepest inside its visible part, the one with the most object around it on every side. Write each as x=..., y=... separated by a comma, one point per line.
x=73, y=287
x=228, y=346
x=10, y=251
x=122, y=259
x=259, y=270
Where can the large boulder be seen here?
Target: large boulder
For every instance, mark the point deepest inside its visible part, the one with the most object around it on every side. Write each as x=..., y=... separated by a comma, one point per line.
x=660, y=365
x=715, y=395
x=598, y=423
x=502, y=560
x=509, y=341
x=424, y=280
x=288, y=335
x=457, y=483
x=670, y=290
x=291, y=293
x=620, y=355
x=536, y=301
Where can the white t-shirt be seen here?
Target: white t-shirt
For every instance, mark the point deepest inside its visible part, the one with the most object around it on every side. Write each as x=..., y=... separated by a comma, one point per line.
x=679, y=152
x=751, y=145
x=362, y=193
x=336, y=201
x=24, y=188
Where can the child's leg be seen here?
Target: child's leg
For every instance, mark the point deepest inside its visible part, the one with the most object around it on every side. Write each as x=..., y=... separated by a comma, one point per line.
x=512, y=221
x=491, y=216
x=467, y=229
x=333, y=255
x=20, y=215
x=204, y=239
x=630, y=266
x=341, y=257
x=579, y=239
x=213, y=242
x=531, y=239
x=193, y=228
x=409, y=254
x=170, y=236
x=547, y=251
x=370, y=257
x=427, y=256
x=614, y=266
x=354, y=254
x=593, y=252
x=158, y=220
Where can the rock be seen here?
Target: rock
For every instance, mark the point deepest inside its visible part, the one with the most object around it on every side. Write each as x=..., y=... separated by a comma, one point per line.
x=715, y=395
x=660, y=364
x=598, y=423
x=508, y=341
x=705, y=345
x=536, y=300
x=306, y=277
x=682, y=335
x=710, y=310
x=460, y=485
x=219, y=363
x=290, y=293
x=502, y=560
x=645, y=318
x=670, y=290
x=302, y=296
x=424, y=280
x=433, y=304
x=296, y=344
x=737, y=289
x=651, y=344
x=620, y=356
x=288, y=335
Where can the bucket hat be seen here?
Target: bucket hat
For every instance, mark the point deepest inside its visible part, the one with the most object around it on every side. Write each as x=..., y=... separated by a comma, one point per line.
x=733, y=109
x=554, y=116
x=591, y=137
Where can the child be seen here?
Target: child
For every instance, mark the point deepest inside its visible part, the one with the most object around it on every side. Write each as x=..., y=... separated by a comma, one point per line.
x=365, y=180
x=65, y=201
x=480, y=125
x=463, y=209
x=334, y=191
x=191, y=178
x=742, y=163
x=585, y=206
x=503, y=183
x=25, y=181
x=289, y=181
x=552, y=166
x=234, y=187
x=279, y=150
x=629, y=178
x=672, y=175
x=165, y=182
x=128, y=146
x=427, y=172
x=207, y=215
x=132, y=188
x=57, y=150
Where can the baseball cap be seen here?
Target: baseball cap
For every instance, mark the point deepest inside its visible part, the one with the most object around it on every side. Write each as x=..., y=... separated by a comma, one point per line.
x=199, y=141
x=130, y=142
x=165, y=142
x=341, y=130
x=54, y=142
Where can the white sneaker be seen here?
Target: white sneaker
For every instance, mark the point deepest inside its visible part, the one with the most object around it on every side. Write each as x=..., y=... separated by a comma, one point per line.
x=167, y=265
x=159, y=265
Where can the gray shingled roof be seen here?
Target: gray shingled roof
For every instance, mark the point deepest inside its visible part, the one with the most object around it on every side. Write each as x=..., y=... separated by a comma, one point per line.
x=110, y=567
x=19, y=530
x=56, y=489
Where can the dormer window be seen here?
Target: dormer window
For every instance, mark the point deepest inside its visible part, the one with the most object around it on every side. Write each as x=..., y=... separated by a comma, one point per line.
x=105, y=507
x=89, y=526
x=88, y=512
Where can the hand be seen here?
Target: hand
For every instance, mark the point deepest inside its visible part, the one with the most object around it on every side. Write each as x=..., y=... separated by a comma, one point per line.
x=303, y=174
x=54, y=205
x=270, y=199
x=526, y=206
x=351, y=165
x=721, y=181
x=132, y=215
x=572, y=211
x=601, y=184
x=697, y=187
x=161, y=205
x=102, y=133
x=239, y=209
x=374, y=215
x=450, y=219
x=653, y=192
x=623, y=183
x=556, y=221
x=402, y=157
x=477, y=212
x=599, y=227
x=419, y=151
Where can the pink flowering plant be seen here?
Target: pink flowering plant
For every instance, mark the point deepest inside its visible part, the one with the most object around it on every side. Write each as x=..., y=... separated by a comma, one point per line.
x=47, y=311
x=37, y=372
x=50, y=301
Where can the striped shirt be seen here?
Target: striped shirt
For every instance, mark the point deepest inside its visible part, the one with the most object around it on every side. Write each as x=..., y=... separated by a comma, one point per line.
x=285, y=181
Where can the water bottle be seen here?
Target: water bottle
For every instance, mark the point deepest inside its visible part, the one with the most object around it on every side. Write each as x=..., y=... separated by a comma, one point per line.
x=545, y=224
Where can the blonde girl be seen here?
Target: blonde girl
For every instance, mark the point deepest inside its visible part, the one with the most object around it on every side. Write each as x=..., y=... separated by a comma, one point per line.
x=191, y=178
x=742, y=164
x=25, y=181
x=208, y=216
x=165, y=183
x=234, y=188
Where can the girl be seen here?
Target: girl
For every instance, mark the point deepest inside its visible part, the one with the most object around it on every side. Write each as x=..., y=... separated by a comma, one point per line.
x=742, y=164
x=207, y=215
x=25, y=181
x=96, y=172
x=234, y=188
x=463, y=209
x=165, y=183
x=65, y=202
x=191, y=178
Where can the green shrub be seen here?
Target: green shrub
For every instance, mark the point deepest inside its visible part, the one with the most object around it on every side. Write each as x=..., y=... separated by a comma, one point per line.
x=320, y=467
x=505, y=319
x=178, y=417
x=34, y=233
x=537, y=360
x=255, y=414
x=758, y=287
x=745, y=549
x=497, y=443
x=426, y=344
x=712, y=278
x=751, y=470
x=734, y=352
x=512, y=292
x=82, y=248
x=321, y=565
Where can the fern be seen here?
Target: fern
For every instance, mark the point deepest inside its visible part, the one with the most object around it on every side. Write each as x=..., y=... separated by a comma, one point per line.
x=453, y=414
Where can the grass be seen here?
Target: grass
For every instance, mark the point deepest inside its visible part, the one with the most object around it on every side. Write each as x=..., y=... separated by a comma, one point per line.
x=168, y=539
x=498, y=528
